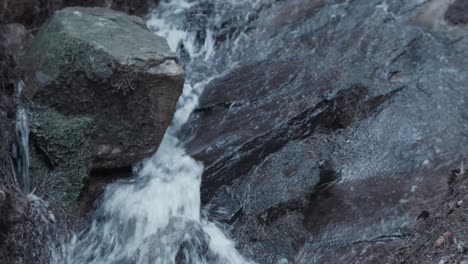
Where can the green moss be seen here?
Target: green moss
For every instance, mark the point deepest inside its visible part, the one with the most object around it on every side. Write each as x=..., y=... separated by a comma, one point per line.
x=67, y=152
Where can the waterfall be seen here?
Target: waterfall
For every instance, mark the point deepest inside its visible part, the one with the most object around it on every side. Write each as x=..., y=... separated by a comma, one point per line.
x=155, y=217
x=21, y=157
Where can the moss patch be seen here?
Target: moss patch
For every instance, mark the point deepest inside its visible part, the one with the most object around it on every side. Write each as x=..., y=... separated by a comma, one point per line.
x=61, y=167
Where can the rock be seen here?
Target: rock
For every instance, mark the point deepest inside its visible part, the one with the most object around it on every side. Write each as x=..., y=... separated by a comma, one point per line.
x=13, y=210
x=261, y=219
x=457, y=13
x=20, y=11
x=132, y=7
x=60, y=154
x=186, y=237
x=15, y=40
x=102, y=65
x=139, y=7
x=439, y=242
x=378, y=84
x=33, y=14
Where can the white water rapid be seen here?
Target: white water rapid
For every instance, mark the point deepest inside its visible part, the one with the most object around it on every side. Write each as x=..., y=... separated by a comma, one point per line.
x=156, y=217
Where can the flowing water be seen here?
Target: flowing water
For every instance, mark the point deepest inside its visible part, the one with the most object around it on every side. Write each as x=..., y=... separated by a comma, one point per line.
x=156, y=216
x=21, y=148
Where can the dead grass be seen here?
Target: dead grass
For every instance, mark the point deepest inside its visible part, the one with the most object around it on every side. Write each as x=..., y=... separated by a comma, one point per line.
x=443, y=236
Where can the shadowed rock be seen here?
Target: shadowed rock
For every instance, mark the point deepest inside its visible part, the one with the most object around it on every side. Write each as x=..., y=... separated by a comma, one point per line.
x=457, y=13
x=33, y=14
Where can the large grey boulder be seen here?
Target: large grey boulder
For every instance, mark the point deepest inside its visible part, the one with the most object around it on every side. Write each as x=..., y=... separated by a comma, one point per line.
x=107, y=67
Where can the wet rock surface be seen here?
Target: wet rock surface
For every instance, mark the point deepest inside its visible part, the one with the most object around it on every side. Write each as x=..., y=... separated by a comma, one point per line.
x=107, y=109
x=268, y=203
x=187, y=237
x=381, y=84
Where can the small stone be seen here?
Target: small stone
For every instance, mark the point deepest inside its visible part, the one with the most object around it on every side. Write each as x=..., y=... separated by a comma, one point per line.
x=439, y=242
x=459, y=203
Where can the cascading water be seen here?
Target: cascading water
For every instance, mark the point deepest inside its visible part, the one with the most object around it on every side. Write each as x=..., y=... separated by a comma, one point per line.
x=156, y=216
x=21, y=148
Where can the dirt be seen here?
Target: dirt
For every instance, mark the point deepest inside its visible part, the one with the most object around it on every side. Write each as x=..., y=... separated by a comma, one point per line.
x=441, y=234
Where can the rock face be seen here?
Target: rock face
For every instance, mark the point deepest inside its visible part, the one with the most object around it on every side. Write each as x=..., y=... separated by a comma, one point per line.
x=378, y=89
x=33, y=14
x=266, y=205
x=102, y=91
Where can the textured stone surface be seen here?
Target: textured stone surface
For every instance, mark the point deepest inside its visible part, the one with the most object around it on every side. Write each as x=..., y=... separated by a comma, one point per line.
x=105, y=65
x=382, y=83
x=268, y=202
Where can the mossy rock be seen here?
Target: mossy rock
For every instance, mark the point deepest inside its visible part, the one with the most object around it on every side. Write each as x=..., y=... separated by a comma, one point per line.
x=106, y=66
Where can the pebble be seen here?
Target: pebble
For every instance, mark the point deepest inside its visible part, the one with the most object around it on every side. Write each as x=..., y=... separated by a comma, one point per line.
x=439, y=242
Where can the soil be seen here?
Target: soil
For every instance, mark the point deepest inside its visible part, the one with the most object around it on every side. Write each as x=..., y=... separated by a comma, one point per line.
x=441, y=235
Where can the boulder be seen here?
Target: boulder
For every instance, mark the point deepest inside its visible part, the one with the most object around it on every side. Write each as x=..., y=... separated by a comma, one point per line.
x=105, y=66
